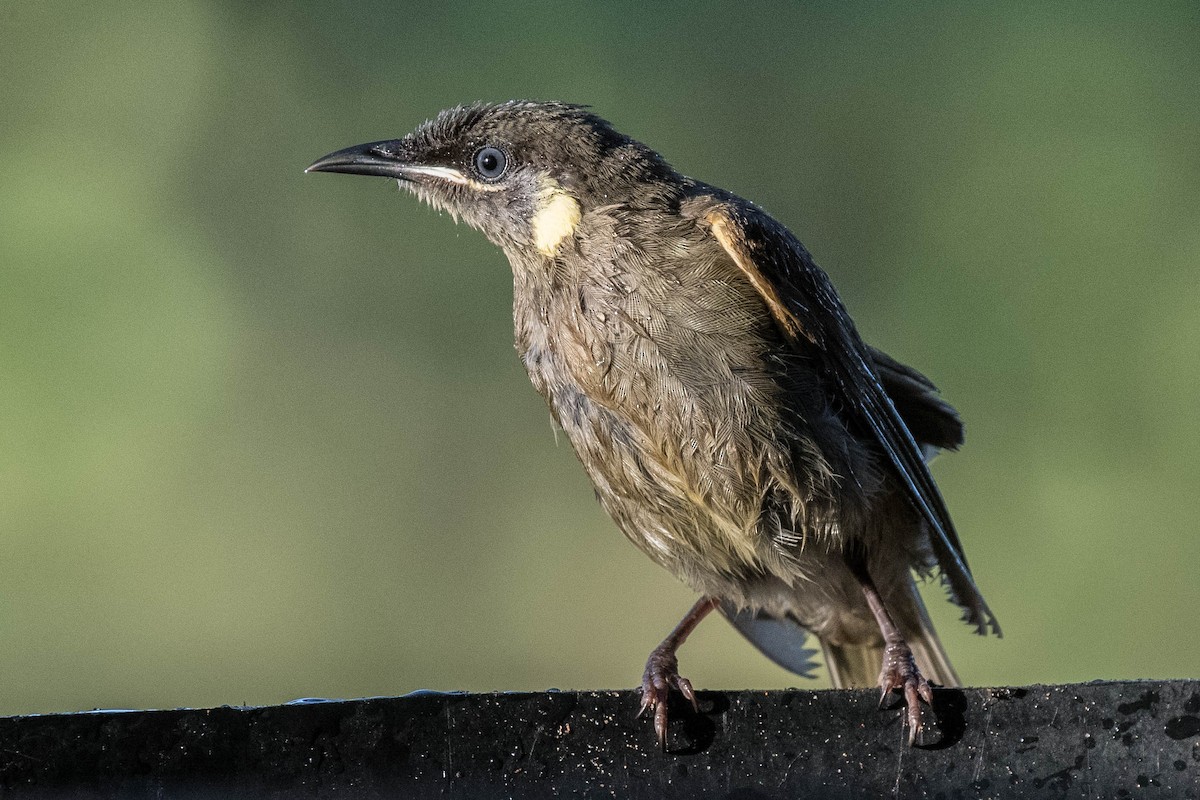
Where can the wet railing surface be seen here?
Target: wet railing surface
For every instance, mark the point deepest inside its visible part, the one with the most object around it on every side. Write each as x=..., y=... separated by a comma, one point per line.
x=1103, y=739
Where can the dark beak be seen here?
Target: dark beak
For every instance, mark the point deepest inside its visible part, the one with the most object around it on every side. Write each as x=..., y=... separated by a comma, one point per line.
x=383, y=159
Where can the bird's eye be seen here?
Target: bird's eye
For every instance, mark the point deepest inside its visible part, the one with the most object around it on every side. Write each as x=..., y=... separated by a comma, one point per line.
x=490, y=162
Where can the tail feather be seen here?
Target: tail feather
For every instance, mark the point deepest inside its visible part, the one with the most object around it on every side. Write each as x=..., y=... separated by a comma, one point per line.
x=850, y=665
x=853, y=666
x=858, y=665
x=927, y=649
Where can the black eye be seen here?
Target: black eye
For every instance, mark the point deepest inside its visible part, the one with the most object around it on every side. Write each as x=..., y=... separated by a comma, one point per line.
x=490, y=162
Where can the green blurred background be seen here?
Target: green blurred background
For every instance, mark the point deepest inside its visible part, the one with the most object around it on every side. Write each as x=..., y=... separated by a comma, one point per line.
x=265, y=435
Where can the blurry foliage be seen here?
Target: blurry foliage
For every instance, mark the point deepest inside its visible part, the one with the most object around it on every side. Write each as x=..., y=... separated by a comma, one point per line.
x=265, y=435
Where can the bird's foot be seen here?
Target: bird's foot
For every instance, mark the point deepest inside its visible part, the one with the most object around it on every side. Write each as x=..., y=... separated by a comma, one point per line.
x=662, y=675
x=900, y=673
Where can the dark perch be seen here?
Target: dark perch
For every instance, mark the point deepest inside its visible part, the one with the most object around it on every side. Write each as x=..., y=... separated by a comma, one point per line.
x=1109, y=740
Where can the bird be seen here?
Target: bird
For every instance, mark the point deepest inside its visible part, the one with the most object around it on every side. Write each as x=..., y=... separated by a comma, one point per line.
x=734, y=423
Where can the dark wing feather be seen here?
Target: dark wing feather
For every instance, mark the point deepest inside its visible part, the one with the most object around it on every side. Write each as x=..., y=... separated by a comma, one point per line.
x=802, y=299
x=780, y=639
x=930, y=419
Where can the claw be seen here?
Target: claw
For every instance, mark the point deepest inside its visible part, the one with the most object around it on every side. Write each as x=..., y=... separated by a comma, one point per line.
x=660, y=725
x=914, y=712
x=685, y=688
x=662, y=675
x=662, y=670
x=900, y=673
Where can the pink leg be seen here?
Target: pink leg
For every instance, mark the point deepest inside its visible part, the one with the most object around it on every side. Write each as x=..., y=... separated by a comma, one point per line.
x=662, y=669
x=899, y=668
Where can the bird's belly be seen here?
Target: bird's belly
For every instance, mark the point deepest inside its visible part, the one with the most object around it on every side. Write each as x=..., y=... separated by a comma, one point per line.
x=718, y=549
x=671, y=386
x=678, y=514
x=682, y=476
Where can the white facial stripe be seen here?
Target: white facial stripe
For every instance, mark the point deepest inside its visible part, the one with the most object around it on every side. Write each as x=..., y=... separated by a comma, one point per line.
x=441, y=173
x=450, y=175
x=480, y=186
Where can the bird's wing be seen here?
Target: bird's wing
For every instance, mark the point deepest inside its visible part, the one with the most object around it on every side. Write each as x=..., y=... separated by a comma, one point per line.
x=931, y=420
x=781, y=639
x=803, y=302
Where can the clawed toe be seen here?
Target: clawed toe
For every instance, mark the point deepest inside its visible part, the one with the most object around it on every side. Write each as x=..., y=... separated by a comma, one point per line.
x=661, y=676
x=900, y=673
x=662, y=670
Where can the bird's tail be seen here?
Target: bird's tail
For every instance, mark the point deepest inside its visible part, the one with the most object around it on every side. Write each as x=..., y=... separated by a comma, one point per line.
x=853, y=666
x=858, y=665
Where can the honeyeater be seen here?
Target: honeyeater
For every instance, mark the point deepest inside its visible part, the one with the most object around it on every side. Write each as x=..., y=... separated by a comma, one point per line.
x=736, y=427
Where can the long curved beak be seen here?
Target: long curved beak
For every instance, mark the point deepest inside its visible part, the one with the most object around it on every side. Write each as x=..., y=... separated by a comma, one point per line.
x=390, y=159
x=382, y=159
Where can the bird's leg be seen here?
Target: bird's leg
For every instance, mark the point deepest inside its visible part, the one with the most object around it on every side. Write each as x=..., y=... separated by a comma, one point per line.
x=662, y=669
x=899, y=670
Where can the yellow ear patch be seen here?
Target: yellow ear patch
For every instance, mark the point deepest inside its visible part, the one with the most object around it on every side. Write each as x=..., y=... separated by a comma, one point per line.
x=556, y=218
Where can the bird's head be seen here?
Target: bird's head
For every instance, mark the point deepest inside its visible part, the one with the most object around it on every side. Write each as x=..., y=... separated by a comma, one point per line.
x=522, y=172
